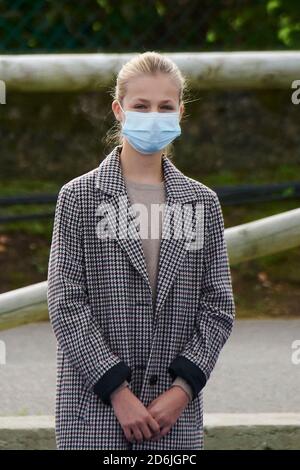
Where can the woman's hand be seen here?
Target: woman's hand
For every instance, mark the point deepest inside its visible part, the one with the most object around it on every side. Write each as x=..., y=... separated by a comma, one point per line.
x=167, y=408
x=136, y=421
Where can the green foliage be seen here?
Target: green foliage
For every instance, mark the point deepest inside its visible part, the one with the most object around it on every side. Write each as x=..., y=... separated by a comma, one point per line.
x=112, y=26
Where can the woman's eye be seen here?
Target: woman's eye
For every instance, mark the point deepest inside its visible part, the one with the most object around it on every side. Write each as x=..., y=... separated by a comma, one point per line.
x=140, y=106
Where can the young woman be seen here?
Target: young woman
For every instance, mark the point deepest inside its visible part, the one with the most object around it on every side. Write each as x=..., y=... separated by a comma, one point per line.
x=139, y=288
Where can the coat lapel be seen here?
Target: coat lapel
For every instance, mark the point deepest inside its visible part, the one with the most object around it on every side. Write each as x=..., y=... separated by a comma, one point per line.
x=172, y=250
x=110, y=180
x=179, y=196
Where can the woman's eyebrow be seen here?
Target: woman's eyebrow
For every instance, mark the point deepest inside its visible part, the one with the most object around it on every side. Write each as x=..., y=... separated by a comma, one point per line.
x=148, y=101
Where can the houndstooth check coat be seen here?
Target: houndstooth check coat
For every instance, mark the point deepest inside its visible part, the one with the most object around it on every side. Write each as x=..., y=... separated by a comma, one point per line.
x=106, y=326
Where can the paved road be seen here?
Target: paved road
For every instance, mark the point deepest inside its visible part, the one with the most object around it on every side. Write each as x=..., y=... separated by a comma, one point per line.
x=255, y=372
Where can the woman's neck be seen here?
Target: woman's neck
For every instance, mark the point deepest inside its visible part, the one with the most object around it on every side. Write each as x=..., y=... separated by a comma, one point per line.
x=142, y=169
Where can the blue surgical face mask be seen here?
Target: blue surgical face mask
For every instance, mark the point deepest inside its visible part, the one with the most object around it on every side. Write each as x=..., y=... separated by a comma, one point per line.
x=149, y=132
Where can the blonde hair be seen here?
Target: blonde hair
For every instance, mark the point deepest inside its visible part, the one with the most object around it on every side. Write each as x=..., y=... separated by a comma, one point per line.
x=150, y=63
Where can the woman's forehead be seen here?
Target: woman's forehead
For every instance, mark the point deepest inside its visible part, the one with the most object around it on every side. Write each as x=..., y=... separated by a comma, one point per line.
x=152, y=88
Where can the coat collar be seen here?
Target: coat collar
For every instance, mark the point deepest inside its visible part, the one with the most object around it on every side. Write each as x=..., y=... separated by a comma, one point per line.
x=110, y=178
x=172, y=251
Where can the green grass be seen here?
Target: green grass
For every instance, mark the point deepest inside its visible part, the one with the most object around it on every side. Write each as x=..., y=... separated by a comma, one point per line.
x=24, y=187
x=281, y=174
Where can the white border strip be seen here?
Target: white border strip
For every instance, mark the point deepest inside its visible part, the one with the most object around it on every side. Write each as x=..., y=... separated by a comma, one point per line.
x=251, y=419
x=211, y=420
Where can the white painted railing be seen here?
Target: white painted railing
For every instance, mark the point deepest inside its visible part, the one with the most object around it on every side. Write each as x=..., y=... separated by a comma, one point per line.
x=264, y=236
x=211, y=70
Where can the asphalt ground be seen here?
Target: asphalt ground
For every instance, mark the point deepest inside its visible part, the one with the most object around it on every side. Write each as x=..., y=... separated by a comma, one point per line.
x=255, y=372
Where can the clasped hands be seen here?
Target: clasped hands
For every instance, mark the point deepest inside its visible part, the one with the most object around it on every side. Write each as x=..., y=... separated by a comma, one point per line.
x=141, y=423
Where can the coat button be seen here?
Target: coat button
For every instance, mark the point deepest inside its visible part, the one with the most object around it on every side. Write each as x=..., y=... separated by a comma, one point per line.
x=153, y=379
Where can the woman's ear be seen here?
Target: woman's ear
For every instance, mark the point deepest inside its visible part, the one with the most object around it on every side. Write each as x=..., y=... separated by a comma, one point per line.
x=115, y=106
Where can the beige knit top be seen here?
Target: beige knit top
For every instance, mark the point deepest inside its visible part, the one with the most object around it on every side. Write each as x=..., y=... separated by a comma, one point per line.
x=151, y=196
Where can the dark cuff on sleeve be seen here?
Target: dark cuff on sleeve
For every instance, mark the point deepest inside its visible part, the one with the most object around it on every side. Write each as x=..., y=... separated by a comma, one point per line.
x=111, y=380
x=183, y=367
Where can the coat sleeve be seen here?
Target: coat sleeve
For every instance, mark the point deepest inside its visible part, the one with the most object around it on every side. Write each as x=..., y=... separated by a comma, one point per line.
x=80, y=338
x=216, y=313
